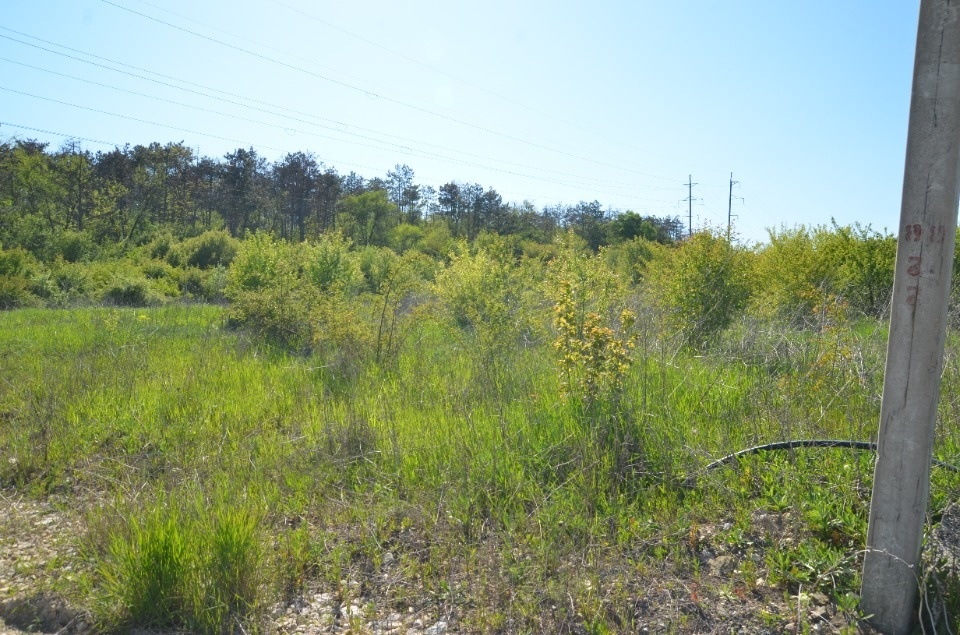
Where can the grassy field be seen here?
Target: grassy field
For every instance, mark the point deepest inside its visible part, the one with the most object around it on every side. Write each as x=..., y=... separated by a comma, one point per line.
x=217, y=478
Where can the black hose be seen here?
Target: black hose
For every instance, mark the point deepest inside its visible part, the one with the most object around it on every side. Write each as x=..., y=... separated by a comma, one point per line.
x=811, y=443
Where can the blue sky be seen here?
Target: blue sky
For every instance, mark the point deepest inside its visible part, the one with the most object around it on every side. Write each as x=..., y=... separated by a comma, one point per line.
x=549, y=101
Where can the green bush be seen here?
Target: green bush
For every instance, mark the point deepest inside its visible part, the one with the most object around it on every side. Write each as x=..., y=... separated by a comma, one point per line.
x=405, y=237
x=157, y=270
x=31, y=233
x=437, y=241
x=278, y=314
x=329, y=264
x=483, y=292
x=268, y=293
x=864, y=261
x=791, y=277
x=801, y=269
x=538, y=251
x=160, y=246
x=205, y=285
x=377, y=265
x=629, y=258
x=209, y=249
x=72, y=280
x=130, y=291
x=261, y=262
x=15, y=293
x=487, y=300
x=17, y=262
x=44, y=286
x=347, y=307
x=17, y=270
x=74, y=246
x=702, y=285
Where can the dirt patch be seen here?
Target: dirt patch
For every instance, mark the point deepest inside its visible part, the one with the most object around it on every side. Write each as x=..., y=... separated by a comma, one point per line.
x=36, y=549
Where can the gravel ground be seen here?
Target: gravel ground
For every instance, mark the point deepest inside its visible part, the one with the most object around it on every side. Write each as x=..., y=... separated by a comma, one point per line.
x=37, y=547
x=35, y=550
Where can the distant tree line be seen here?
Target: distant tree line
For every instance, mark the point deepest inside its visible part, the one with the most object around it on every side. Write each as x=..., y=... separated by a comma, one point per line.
x=123, y=196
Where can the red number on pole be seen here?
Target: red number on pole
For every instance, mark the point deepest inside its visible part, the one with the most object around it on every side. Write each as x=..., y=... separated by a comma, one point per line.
x=913, y=232
x=913, y=265
x=912, y=292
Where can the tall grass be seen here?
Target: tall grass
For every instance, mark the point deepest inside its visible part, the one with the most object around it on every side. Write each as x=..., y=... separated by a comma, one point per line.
x=232, y=472
x=180, y=564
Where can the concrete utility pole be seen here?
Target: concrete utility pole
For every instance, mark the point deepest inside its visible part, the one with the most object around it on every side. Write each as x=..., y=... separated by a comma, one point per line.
x=911, y=388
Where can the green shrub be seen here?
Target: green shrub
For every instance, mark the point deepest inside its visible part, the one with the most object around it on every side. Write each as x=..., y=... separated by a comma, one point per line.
x=32, y=233
x=280, y=314
x=18, y=268
x=629, y=259
x=15, y=293
x=329, y=264
x=124, y=290
x=487, y=300
x=791, y=277
x=538, y=251
x=800, y=269
x=298, y=295
x=45, y=287
x=482, y=292
x=157, y=270
x=209, y=249
x=268, y=294
x=160, y=246
x=72, y=280
x=261, y=262
x=864, y=261
x=17, y=262
x=398, y=292
x=437, y=241
x=74, y=246
x=405, y=237
x=701, y=285
x=342, y=334
x=377, y=265
x=205, y=285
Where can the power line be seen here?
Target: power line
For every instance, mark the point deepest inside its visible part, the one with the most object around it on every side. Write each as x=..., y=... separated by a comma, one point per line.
x=341, y=126
x=65, y=135
x=369, y=93
x=428, y=155
x=58, y=134
x=127, y=117
x=260, y=44
x=194, y=107
x=403, y=148
x=457, y=78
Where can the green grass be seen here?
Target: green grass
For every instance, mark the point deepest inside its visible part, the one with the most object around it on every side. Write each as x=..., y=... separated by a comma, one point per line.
x=232, y=474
